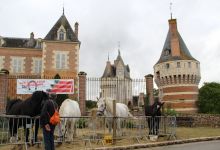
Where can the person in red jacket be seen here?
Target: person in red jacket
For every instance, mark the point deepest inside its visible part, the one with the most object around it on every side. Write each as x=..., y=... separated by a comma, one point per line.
x=48, y=129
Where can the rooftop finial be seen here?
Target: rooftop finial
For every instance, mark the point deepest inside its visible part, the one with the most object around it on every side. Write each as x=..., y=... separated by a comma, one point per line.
x=171, y=10
x=119, y=48
x=63, y=8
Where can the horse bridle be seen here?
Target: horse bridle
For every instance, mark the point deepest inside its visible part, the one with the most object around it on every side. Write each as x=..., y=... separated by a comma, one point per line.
x=102, y=111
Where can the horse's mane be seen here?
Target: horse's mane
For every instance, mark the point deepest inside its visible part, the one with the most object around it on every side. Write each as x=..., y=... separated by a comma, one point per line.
x=35, y=100
x=152, y=110
x=10, y=103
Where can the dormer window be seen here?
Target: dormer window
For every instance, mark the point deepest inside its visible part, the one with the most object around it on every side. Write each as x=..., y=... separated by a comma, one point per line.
x=167, y=52
x=61, y=33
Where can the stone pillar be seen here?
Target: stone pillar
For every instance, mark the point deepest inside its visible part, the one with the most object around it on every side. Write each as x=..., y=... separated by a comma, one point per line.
x=149, y=88
x=82, y=92
x=3, y=91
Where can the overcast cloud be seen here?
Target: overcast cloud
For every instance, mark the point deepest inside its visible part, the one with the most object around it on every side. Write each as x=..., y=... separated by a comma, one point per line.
x=141, y=27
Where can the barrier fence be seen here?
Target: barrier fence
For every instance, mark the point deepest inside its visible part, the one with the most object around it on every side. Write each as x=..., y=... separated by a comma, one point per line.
x=86, y=130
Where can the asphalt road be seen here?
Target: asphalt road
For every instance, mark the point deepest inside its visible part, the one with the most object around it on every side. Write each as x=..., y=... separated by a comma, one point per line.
x=208, y=145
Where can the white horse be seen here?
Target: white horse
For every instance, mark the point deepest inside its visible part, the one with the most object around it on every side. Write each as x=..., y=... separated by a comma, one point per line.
x=105, y=108
x=70, y=114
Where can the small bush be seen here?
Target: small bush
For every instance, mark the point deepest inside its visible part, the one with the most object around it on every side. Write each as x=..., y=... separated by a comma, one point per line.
x=81, y=123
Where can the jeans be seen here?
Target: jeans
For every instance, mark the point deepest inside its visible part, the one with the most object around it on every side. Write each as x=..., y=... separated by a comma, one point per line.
x=49, y=138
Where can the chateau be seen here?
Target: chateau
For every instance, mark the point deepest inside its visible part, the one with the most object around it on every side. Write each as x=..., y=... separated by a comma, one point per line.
x=177, y=73
x=58, y=52
x=116, y=81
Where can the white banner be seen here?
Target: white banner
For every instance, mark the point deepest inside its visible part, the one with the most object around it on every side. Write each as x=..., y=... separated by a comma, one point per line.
x=58, y=86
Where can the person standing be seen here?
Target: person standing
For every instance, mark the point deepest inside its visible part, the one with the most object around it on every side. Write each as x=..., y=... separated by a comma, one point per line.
x=48, y=110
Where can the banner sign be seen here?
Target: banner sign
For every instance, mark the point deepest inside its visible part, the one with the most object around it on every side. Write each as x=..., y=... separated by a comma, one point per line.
x=58, y=86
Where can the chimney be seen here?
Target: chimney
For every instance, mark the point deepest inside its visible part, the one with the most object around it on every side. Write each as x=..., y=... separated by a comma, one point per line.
x=76, y=29
x=149, y=88
x=174, y=38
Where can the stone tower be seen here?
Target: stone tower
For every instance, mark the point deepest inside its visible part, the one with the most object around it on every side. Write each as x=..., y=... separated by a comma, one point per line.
x=116, y=81
x=177, y=73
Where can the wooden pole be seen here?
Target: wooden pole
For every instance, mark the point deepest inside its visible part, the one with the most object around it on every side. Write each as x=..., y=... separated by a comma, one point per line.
x=114, y=123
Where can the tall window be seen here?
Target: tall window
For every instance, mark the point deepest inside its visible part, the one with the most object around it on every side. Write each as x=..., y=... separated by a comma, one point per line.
x=61, y=35
x=178, y=65
x=37, y=65
x=197, y=65
x=167, y=66
x=61, y=61
x=189, y=64
x=17, y=64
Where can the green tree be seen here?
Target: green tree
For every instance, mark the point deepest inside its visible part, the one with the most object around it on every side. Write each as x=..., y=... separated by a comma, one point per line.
x=209, y=98
x=90, y=104
x=60, y=97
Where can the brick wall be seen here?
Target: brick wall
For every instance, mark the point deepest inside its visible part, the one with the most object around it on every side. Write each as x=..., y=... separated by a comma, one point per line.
x=149, y=88
x=82, y=92
x=28, y=53
x=48, y=63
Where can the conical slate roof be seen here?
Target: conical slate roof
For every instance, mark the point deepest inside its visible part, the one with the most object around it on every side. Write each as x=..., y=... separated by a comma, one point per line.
x=70, y=35
x=167, y=51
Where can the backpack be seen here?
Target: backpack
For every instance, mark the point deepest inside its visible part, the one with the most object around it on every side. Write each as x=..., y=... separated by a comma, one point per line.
x=55, y=118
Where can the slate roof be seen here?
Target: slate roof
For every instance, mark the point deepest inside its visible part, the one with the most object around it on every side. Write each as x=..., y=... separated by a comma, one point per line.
x=184, y=51
x=70, y=35
x=110, y=70
x=19, y=42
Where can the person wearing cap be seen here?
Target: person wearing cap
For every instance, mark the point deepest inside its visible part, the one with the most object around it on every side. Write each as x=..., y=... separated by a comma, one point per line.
x=48, y=110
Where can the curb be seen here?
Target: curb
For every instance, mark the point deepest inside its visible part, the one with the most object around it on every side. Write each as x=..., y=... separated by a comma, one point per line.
x=136, y=146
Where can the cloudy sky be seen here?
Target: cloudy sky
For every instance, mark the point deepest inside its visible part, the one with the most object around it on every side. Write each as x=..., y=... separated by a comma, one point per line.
x=141, y=27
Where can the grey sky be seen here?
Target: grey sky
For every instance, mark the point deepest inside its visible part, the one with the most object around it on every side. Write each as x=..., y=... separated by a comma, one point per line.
x=141, y=27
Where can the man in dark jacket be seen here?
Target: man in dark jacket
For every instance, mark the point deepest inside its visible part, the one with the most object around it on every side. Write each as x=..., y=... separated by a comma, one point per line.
x=48, y=129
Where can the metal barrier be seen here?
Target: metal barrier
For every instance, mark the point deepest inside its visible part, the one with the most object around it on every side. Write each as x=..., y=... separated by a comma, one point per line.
x=93, y=131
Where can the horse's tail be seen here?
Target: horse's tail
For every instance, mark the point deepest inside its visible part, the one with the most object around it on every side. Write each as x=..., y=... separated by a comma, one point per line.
x=9, y=104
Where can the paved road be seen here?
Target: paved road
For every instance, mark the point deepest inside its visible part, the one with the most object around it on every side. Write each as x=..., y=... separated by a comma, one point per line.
x=208, y=145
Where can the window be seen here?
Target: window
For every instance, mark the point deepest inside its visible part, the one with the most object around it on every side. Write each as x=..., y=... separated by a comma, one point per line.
x=1, y=62
x=197, y=65
x=17, y=64
x=61, y=61
x=37, y=65
x=189, y=64
x=61, y=33
x=167, y=66
x=167, y=52
x=61, y=36
x=178, y=65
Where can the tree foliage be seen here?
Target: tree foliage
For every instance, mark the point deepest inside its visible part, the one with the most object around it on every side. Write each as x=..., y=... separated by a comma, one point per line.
x=60, y=97
x=209, y=98
x=90, y=104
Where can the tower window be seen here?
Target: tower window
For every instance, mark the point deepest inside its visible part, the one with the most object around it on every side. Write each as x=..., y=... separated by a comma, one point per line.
x=178, y=65
x=197, y=65
x=167, y=66
x=167, y=52
x=189, y=64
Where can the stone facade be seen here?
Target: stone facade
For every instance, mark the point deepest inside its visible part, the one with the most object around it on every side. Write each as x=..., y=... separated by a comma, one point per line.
x=177, y=73
x=116, y=82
